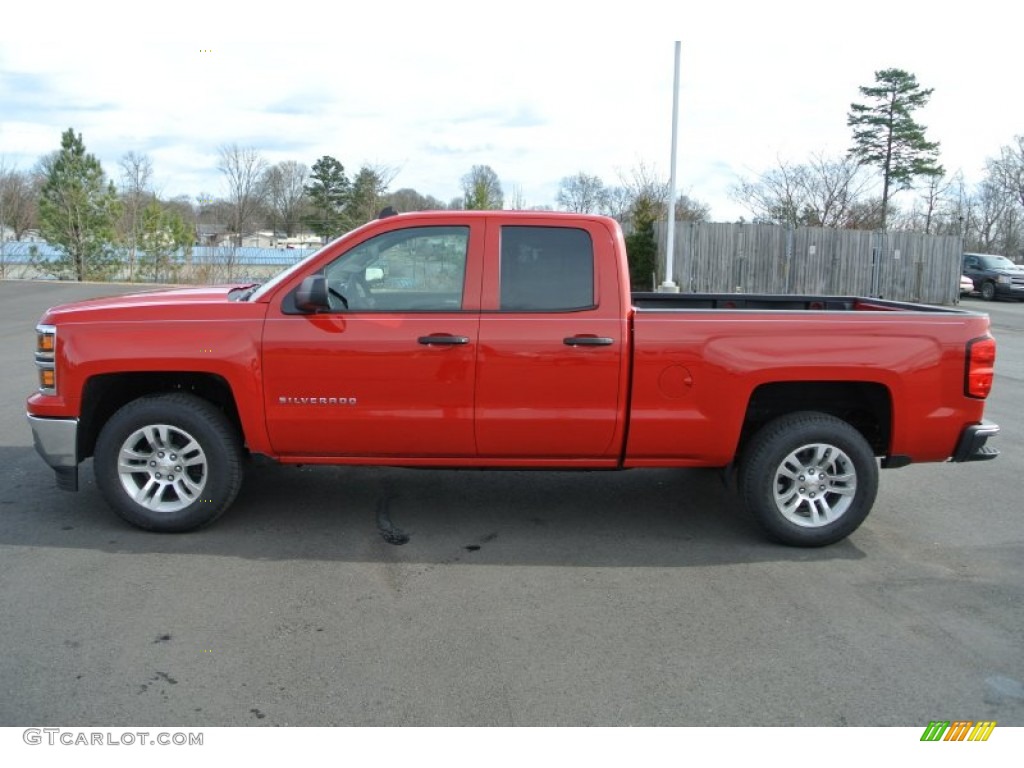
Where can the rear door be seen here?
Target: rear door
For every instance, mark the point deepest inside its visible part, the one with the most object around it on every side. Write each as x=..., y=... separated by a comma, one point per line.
x=551, y=361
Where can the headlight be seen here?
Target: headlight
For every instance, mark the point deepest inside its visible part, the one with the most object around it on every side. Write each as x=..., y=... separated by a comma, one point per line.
x=46, y=352
x=1004, y=280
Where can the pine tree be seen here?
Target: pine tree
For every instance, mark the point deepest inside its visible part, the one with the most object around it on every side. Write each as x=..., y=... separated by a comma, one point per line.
x=164, y=237
x=78, y=209
x=329, y=191
x=641, y=243
x=885, y=134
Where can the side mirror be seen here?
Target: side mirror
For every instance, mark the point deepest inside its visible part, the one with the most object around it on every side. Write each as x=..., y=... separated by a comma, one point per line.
x=311, y=295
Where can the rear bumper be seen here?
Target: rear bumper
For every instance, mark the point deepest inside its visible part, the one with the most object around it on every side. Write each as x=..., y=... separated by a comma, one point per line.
x=56, y=440
x=971, y=446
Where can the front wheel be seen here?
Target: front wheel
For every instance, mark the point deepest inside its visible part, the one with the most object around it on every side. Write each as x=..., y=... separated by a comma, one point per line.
x=168, y=462
x=988, y=291
x=808, y=479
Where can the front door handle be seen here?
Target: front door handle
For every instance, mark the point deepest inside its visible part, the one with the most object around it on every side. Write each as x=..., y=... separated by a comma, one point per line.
x=443, y=338
x=588, y=341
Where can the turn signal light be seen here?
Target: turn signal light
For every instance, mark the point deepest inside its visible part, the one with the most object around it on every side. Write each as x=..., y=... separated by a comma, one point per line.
x=47, y=379
x=981, y=361
x=45, y=342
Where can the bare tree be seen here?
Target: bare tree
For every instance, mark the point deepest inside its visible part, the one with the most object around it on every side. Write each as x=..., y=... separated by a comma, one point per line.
x=286, y=195
x=933, y=206
x=482, y=189
x=646, y=188
x=136, y=175
x=1007, y=170
x=775, y=196
x=691, y=209
x=823, y=192
x=518, y=201
x=992, y=207
x=616, y=203
x=582, y=193
x=19, y=195
x=645, y=194
x=243, y=169
x=406, y=199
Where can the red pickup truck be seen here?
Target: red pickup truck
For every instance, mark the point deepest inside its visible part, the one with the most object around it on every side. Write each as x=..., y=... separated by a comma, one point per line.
x=504, y=339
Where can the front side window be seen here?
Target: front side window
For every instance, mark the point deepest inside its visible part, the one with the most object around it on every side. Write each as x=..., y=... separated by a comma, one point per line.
x=548, y=269
x=420, y=269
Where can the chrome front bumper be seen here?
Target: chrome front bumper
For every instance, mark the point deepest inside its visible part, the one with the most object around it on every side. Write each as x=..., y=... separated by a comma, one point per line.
x=56, y=440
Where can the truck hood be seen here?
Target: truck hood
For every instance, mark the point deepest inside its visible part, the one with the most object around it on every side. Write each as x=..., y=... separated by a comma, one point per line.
x=177, y=302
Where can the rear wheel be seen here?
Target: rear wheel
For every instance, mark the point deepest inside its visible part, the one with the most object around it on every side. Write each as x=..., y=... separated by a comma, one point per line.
x=168, y=462
x=808, y=479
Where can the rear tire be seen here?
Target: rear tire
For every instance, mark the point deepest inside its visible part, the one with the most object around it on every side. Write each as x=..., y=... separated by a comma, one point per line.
x=168, y=463
x=808, y=479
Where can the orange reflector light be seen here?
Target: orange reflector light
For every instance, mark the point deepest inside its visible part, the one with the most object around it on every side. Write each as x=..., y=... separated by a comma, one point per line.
x=981, y=361
x=47, y=379
x=45, y=342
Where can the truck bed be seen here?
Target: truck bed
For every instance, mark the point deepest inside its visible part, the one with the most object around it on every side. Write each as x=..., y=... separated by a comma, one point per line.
x=751, y=301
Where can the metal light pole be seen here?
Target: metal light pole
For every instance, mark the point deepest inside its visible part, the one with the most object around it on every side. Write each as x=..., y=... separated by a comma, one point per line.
x=669, y=286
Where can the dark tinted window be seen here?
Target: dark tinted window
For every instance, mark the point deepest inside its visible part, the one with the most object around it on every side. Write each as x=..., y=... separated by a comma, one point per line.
x=995, y=262
x=546, y=268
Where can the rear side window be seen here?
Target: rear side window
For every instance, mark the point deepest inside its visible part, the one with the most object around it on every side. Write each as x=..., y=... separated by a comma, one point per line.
x=546, y=269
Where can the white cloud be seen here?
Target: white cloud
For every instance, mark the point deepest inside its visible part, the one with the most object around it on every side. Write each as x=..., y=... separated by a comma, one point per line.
x=536, y=90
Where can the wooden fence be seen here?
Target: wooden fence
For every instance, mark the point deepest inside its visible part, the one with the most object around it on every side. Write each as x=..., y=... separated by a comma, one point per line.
x=763, y=258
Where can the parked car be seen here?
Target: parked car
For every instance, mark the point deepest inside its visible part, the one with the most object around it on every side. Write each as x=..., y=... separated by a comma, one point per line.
x=966, y=285
x=995, y=277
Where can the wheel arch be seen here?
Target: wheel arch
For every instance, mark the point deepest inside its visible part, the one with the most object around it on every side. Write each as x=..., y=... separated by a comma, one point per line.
x=103, y=395
x=864, y=405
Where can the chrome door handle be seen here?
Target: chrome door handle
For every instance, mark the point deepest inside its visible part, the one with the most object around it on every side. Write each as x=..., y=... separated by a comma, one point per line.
x=443, y=339
x=588, y=341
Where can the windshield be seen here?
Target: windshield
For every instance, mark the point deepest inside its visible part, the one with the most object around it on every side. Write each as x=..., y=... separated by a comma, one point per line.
x=282, y=276
x=997, y=262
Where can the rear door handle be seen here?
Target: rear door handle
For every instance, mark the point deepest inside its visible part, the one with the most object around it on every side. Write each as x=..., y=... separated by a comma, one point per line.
x=588, y=341
x=443, y=338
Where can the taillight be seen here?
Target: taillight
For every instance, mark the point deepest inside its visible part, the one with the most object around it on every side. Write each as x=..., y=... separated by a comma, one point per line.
x=981, y=361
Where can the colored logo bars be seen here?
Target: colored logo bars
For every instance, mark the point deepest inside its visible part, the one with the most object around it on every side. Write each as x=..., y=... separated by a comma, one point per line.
x=958, y=730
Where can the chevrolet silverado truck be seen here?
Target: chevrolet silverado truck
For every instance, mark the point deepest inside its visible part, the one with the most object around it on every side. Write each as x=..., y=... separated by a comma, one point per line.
x=505, y=340
x=994, y=277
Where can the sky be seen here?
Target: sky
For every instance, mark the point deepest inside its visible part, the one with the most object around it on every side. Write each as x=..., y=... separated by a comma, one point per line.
x=536, y=90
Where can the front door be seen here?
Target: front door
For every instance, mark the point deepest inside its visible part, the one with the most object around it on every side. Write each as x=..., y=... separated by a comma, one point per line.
x=391, y=369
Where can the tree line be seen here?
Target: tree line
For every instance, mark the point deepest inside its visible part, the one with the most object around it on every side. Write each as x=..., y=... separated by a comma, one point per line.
x=100, y=227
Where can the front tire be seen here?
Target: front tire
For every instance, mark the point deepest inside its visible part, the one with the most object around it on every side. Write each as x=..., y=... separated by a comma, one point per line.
x=988, y=291
x=168, y=463
x=808, y=479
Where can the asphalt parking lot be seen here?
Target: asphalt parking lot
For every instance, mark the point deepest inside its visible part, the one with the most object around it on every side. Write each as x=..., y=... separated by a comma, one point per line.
x=636, y=598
